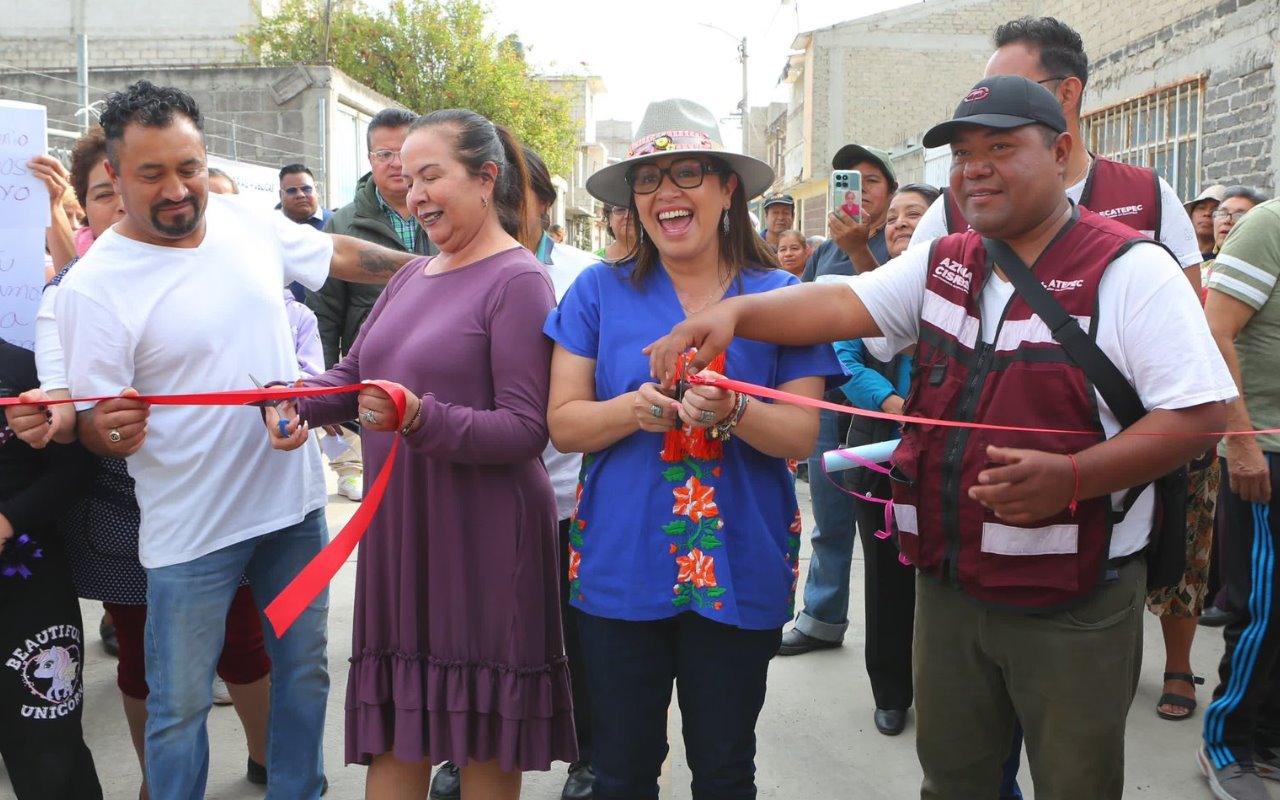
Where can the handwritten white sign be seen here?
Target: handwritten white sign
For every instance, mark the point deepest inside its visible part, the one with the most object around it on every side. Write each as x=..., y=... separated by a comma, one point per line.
x=21, y=282
x=24, y=200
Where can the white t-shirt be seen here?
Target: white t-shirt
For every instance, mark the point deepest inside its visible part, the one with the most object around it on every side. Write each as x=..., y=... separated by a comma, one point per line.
x=1176, y=230
x=564, y=468
x=169, y=320
x=1149, y=324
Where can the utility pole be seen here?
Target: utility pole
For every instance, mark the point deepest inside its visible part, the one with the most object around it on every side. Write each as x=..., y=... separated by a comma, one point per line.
x=746, y=107
x=78, y=27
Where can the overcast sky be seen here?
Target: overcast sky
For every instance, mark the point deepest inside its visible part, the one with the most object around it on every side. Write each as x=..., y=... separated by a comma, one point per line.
x=656, y=49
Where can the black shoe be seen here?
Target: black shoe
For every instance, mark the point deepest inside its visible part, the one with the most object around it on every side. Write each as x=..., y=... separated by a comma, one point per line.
x=447, y=783
x=257, y=774
x=891, y=721
x=579, y=784
x=1214, y=617
x=109, y=641
x=802, y=471
x=795, y=643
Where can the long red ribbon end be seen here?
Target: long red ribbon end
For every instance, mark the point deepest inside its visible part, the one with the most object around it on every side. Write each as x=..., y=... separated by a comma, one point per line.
x=285, y=609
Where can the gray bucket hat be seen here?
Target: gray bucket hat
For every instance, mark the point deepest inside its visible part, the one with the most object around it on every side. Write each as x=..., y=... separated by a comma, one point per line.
x=674, y=126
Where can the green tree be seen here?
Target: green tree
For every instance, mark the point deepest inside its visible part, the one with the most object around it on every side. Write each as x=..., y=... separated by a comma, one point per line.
x=426, y=54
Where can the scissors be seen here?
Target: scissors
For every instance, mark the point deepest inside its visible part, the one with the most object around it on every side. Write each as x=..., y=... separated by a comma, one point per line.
x=284, y=424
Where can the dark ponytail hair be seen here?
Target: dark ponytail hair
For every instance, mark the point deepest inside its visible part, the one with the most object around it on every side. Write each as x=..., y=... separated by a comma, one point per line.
x=740, y=249
x=476, y=142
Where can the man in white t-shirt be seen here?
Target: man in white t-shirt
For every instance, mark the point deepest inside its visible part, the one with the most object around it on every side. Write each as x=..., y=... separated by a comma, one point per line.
x=183, y=296
x=1028, y=603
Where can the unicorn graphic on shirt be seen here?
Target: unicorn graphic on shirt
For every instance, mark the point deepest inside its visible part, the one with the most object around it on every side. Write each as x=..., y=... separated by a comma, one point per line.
x=59, y=666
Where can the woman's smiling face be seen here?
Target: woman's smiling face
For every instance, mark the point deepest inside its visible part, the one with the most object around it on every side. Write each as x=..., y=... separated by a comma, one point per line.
x=682, y=222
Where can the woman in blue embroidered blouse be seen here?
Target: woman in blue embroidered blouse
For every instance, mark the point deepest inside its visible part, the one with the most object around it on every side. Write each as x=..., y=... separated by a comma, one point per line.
x=686, y=536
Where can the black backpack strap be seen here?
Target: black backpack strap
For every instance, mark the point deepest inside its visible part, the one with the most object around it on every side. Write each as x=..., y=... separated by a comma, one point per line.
x=1101, y=371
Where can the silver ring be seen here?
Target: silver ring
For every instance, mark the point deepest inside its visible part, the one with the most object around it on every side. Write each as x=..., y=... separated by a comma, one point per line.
x=656, y=411
x=369, y=416
x=707, y=415
x=114, y=436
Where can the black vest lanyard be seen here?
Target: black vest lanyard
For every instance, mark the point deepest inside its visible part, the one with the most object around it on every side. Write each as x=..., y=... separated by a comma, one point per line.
x=1115, y=389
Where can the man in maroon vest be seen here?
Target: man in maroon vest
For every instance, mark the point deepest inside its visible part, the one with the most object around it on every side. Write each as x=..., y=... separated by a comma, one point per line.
x=1049, y=52
x=1029, y=600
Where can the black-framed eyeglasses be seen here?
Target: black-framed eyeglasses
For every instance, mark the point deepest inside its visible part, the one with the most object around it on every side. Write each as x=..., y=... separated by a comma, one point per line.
x=293, y=190
x=686, y=173
x=1043, y=81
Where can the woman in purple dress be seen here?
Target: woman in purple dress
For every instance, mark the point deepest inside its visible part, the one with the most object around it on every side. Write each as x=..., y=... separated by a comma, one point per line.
x=458, y=652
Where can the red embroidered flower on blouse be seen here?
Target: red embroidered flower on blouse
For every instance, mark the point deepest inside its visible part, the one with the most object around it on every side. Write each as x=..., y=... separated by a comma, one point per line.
x=695, y=500
x=575, y=560
x=698, y=567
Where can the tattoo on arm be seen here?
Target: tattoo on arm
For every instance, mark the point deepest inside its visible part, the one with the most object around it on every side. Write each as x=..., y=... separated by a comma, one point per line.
x=379, y=261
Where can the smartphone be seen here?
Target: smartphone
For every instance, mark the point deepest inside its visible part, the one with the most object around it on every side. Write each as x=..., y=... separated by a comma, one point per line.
x=846, y=193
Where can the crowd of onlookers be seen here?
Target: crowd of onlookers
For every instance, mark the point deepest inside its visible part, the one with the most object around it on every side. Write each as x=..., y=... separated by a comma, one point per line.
x=575, y=526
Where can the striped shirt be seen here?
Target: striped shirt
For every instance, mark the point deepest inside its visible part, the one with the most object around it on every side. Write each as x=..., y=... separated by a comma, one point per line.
x=406, y=229
x=1247, y=269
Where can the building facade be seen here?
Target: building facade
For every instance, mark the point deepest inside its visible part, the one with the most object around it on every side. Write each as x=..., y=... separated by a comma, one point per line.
x=576, y=209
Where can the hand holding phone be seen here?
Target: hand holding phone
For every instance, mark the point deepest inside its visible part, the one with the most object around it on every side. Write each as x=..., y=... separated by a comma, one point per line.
x=846, y=193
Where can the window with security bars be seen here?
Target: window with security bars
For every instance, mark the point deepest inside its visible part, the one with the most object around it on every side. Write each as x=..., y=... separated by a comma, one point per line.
x=1160, y=129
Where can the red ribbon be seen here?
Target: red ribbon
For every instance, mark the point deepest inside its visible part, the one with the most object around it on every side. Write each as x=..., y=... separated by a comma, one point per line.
x=303, y=589
x=788, y=397
x=316, y=575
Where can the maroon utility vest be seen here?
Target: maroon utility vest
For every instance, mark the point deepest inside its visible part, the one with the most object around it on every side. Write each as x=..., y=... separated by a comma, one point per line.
x=1121, y=192
x=1024, y=379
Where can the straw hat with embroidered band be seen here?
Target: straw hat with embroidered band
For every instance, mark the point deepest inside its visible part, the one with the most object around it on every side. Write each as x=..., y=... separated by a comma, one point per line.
x=676, y=126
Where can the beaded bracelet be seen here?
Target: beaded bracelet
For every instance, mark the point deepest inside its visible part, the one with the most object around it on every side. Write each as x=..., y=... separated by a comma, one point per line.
x=1075, y=493
x=413, y=420
x=722, y=430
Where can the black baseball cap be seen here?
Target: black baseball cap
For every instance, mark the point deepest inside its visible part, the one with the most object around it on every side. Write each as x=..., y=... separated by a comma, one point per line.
x=779, y=200
x=1001, y=101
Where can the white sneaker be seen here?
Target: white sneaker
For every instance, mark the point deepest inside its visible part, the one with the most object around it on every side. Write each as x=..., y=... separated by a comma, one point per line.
x=221, y=697
x=352, y=487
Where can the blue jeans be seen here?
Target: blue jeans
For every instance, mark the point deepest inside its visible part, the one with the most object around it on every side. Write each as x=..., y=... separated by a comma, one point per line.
x=826, y=592
x=186, y=620
x=719, y=673
x=1009, y=770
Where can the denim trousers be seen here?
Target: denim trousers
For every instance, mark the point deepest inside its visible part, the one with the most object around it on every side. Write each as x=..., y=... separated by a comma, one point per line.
x=186, y=622
x=826, y=591
x=719, y=673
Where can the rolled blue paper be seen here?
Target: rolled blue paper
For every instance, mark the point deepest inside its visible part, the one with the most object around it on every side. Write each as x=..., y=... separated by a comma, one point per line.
x=879, y=452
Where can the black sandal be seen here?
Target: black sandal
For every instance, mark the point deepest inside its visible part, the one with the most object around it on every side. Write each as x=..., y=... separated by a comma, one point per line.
x=1180, y=700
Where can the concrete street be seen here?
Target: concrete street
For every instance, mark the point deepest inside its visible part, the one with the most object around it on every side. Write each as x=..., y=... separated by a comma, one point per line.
x=816, y=738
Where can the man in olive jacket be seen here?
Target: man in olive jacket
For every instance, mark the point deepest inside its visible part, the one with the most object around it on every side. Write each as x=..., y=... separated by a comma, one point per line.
x=378, y=214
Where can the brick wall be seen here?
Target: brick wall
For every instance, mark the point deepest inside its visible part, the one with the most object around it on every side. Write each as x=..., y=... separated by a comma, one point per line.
x=57, y=53
x=260, y=115
x=1230, y=43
